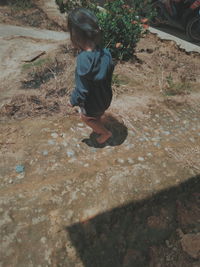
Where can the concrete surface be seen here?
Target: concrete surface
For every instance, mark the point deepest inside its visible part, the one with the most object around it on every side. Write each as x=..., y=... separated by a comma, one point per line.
x=187, y=46
x=17, y=31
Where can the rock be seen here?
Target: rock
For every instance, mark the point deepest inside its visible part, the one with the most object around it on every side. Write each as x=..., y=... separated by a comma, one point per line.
x=86, y=165
x=166, y=133
x=43, y=240
x=121, y=161
x=192, y=139
x=140, y=158
x=70, y=153
x=130, y=160
x=45, y=153
x=51, y=142
x=54, y=135
x=19, y=168
x=191, y=245
x=157, y=144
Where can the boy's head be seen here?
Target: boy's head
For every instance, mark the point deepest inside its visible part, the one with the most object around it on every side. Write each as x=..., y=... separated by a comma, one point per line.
x=83, y=27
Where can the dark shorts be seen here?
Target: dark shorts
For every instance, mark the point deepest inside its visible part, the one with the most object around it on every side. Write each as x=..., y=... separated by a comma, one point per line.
x=91, y=114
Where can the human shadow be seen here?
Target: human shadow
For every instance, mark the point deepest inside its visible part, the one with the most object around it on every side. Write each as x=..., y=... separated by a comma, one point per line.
x=118, y=129
x=135, y=235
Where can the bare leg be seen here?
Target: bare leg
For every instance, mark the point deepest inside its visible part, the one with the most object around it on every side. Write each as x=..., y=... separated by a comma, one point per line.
x=98, y=127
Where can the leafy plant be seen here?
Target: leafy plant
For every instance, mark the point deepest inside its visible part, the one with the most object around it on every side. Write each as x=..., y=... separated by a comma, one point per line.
x=122, y=24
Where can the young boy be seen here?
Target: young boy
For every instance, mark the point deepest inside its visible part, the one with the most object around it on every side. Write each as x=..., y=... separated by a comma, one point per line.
x=93, y=75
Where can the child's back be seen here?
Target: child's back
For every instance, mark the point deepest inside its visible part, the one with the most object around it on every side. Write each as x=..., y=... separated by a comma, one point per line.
x=93, y=81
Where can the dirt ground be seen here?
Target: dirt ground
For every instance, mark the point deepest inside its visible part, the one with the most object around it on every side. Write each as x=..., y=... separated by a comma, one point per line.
x=65, y=201
x=31, y=16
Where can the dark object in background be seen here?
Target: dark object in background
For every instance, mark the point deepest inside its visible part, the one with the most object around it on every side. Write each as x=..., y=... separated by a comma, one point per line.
x=182, y=14
x=3, y=2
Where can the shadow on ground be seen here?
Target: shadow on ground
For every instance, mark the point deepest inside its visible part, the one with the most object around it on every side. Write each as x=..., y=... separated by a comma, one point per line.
x=135, y=234
x=118, y=129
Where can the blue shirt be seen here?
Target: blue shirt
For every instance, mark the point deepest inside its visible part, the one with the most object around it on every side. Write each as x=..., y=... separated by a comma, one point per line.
x=93, y=78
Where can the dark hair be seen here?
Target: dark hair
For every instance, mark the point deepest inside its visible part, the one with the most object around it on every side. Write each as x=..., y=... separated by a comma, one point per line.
x=83, y=27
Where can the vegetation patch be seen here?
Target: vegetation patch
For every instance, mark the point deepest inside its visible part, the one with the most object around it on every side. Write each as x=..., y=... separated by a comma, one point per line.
x=176, y=88
x=36, y=63
x=122, y=24
x=37, y=78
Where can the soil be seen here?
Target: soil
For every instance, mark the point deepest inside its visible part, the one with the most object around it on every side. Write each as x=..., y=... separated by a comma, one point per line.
x=31, y=16
x=66, y=201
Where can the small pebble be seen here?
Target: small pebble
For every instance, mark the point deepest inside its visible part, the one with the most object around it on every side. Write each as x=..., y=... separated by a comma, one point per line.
x=43, y=240
x=19, y=168
x=157, y=144
x=140, y=158
x=164, y=165
x=156, y=139
x=64, y=144
x=70, y=153
x=51, y=142
x=130, y=146
x=45, y=153
x=166, y=133
x=86, y=165
x=192, y=139
x=54, y=135
x=120, y=161
x=92, y=149
x=131, y=161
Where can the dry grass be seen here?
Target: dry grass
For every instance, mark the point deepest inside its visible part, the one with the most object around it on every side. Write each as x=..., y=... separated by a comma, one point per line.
x=159, y=69
x=187, y=157
x=46, y=87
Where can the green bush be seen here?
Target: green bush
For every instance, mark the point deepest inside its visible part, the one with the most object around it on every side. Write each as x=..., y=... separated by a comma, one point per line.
x=122, y=24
